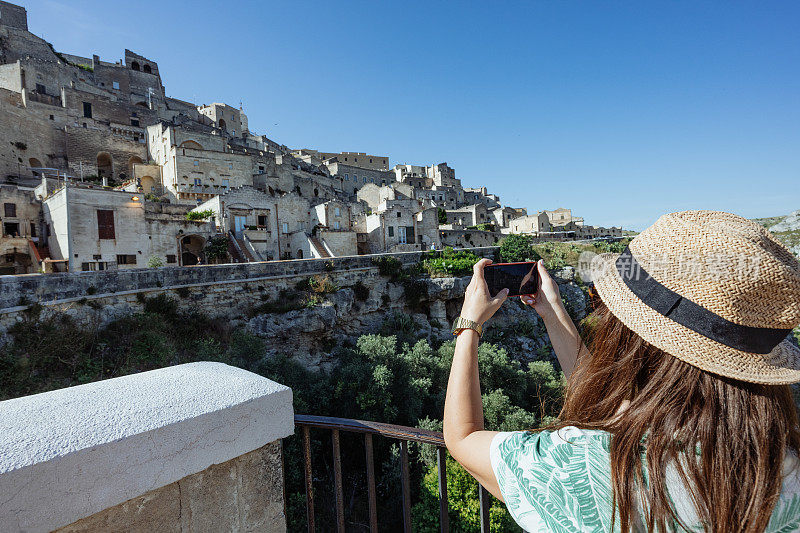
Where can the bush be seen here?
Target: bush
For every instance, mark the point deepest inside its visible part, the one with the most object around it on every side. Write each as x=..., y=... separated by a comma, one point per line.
x=155, y=262
x=451, y=263
x=388, y=266
x=200, y=215
x=518, y=248
x=317, y=284
x=217, y=248
x=442, y=214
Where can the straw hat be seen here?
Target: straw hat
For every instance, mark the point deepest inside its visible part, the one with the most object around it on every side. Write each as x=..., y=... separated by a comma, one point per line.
x=713, y=289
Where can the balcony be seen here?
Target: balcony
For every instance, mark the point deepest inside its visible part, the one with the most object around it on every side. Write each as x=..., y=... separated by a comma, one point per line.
x=198, y=446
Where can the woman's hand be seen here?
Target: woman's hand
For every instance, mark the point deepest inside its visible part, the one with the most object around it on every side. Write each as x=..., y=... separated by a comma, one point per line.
x=479, y=306
x=547, y=300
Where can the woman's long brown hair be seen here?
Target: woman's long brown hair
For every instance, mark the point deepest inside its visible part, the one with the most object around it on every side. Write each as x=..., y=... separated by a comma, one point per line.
x=726, y=438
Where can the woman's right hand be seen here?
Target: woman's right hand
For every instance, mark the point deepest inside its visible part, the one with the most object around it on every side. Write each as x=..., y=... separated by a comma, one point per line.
x=547, y=300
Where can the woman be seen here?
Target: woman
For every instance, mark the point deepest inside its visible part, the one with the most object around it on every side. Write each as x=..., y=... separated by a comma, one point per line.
x=678, y=416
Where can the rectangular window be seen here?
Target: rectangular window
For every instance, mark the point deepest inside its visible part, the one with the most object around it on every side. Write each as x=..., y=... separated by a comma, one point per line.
x=11, y=229
x=126, y=259
x=87, y=110
x=285, y=227
x=171, y=259
x=135, y=122
x=33, y=229
x=226, y=183
x=41, y=89
x=391, y=231
x=105, y=224
x=337, y=212
x=336, y=225
x=86, y=267
x=346, y=177
x=399, y=214
x=115, y=84
x=10, y=209
x=198, y=182
x=262, y=220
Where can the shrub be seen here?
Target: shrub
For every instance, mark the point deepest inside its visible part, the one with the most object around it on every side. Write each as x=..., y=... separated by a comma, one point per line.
x=200, y=215
x=155, y=262
x=517, y=248
x=451, y=263
x=217, y=248
x=388, y=266
x=91, y=290
x=442, y=214
x=161, y=305
x=183, y=292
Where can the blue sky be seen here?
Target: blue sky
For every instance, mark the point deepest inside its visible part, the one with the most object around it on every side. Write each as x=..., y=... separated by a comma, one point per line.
x=620, y=110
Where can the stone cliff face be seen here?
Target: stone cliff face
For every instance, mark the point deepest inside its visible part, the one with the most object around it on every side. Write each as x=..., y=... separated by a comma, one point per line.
x=311, y=334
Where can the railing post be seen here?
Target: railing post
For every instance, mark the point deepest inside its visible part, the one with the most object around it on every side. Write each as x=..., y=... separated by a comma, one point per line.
x=483, y=496
x=337, y=474
x=373, y=502
x=441, y=467
x=309, y=479
x=406, y=486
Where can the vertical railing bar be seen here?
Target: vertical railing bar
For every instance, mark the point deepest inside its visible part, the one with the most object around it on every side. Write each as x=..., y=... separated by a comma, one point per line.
x=406, y=486
x=337, y=474
x=484, y=501
x=309, y=479
x=373, y=500
x=441, y=466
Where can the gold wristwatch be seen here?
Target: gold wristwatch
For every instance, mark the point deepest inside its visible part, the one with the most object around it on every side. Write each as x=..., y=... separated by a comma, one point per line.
x=462, y=323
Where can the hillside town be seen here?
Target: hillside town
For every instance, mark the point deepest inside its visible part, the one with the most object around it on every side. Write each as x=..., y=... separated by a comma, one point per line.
x=100, y=169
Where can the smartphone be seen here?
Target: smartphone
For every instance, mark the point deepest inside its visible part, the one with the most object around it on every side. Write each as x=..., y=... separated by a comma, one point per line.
x=519, y=278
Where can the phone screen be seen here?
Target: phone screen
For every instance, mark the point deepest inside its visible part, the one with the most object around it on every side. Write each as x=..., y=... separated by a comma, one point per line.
x=518, y=278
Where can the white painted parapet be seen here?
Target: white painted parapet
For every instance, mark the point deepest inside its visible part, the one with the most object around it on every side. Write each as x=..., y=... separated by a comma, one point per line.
x=70, y=453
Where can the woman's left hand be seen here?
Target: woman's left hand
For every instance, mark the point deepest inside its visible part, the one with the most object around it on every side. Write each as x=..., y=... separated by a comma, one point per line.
x=479, y=305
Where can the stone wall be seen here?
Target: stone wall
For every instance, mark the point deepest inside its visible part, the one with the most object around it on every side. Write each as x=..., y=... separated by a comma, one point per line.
x=228, y=291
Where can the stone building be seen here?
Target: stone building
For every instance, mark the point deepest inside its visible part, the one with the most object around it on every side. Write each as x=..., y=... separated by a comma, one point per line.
x=480, y=195
x=398, y=226
x=352, y=159
x=353, y=178
x=373, y=195
x=22, y=232
x=227, y=118
x=502, y=216
x=99, y=229
x=470, y=215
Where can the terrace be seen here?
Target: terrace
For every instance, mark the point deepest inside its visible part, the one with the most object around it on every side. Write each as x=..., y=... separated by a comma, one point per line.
x=199, y=446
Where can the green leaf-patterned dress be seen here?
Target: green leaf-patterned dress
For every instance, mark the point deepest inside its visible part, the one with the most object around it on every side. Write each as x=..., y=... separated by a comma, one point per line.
x=561, y=481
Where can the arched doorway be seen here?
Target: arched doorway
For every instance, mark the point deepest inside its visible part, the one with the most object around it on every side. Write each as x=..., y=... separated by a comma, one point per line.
x=134, y=160
x=34, y=164
x=135, y=65
x=299, y=253
x=148, y=183
x=105, y=165
x=222, y=124
x=146, y=69
x=192, y=250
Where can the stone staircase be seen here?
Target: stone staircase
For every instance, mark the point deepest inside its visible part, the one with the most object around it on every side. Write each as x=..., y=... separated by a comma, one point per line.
x=320, y=248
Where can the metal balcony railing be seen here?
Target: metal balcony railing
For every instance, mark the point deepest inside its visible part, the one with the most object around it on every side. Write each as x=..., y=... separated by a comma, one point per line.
x=405, y=435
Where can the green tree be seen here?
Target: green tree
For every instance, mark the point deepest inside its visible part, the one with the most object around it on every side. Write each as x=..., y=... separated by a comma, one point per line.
x=516, y=248
x=442, y=215
x=155, y=262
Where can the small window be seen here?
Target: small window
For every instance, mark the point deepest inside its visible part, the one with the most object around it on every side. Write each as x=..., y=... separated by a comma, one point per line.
x=171, y=259
x=370, y=160
x=105, y=224
x=226, y=183
x=391, y=231
x=230, y=165
x=336, y=225
x=346, y=177
x=52, y=117
x=285, y=227
x=262, y=220
x=41, y=89
x=126, y=259
x=135, y=122
x=97, y=257
x=198, y=182
x=10, y=209
x=87, y=110
x=33, y=229
x=85, y=267
x=115, y=84
x=398, y=214
x=197, y=163
x=337, y=212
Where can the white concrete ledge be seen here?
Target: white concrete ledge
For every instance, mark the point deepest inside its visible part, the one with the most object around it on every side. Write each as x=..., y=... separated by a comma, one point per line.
x=69, y=453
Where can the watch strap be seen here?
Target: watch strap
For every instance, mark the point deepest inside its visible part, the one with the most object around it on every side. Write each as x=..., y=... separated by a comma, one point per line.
x=461, y=323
